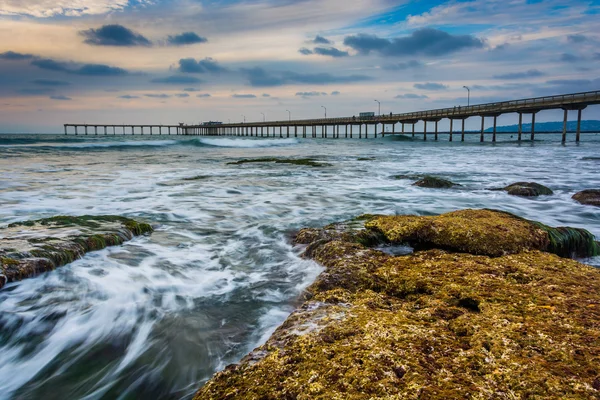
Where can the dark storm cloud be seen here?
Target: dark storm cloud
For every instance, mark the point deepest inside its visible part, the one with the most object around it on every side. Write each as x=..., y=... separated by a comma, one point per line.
x=177, y=79
x=426, y=41
x=12, y=56
x=321, y=40
x=48, y=82
x=532, y=73
x=114, y=35
x=128, y=97
x=403, y=65
x=577, y=38
x=50, y=65
x=330, y=51
x=60, y=97
x=411, y=96
x=305, y=51
x=259, y=77
x=185, y=38
x=191, y=66
x=430, y=86
x=568, y=57
x=243, y=96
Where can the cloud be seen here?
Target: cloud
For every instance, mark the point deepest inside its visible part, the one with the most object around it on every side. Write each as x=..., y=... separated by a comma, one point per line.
x=259, y=77
x=182, y=95
x=330, y=51
x=568, y=57
x=47, y=82
x=191, y=66
x=532, y=73
x=185, y=38
x=177, y=79
x=190, y=89
x=430, y=86
x=425, y=41
x=305, y=51
x=243, y=96
x=321, y=40
x=157, y=95
x=335, y=93
x=70, y=8
x=578, y=38
x=36, y=91
x=404, y=65
x=203, y=95
x=114, y=35
x=85, y=69
x=266, y=95
x=311, y=94
x=60, y=97
x=12, y=56
x=128, y=97
x=411, y=96
x=596, y=56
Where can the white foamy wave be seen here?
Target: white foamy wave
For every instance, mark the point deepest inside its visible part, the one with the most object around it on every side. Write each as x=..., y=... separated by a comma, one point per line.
x=248, y=143
x=133, y=143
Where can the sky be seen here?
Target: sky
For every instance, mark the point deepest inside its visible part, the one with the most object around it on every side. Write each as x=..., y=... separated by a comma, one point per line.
x=172, y=61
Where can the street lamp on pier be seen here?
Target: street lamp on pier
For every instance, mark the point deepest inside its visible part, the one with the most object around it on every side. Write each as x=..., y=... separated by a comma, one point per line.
x=468, y=96
x=264, y=117
x=244, y=118
x=379, y=103
x=290, y=115
x=325, y=108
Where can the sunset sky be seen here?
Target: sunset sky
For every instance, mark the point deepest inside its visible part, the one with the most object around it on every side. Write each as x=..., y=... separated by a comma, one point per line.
x=170, y=61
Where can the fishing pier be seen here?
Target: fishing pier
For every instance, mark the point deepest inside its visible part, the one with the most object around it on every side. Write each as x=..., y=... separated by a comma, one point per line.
x=404, y=123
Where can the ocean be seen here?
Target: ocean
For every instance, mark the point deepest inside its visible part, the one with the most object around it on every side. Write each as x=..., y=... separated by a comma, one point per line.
x=158, y=316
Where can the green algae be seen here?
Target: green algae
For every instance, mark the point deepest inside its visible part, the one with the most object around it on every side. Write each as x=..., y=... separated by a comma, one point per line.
x=528, y=189
x=433, y=182
x=310, y=162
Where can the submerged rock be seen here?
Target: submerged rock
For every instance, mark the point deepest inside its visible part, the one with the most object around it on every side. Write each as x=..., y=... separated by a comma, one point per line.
x=433, y=324
x=588, y=197
x=32, y=247
x=310, y=162
x=528, y=189
x=434, y=183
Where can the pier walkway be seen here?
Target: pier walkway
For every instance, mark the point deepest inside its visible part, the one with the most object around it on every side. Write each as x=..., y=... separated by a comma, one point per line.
x=330, y=127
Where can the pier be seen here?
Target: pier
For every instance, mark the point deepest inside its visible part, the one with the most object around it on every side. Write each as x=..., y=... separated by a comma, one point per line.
x=357, y=127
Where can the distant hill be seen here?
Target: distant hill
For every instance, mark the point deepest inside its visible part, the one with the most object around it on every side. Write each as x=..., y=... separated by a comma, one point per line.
x=588, y=125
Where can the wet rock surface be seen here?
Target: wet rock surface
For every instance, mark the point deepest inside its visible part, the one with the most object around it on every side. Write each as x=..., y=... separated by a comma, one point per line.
x=589, y=197
x=528, y=189
x=433, y=182
x=32, y=247
x=467, y=321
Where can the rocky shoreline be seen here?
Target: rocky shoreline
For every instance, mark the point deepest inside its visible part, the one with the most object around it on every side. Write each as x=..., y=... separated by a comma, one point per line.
x=481, y=309
x=32, y=247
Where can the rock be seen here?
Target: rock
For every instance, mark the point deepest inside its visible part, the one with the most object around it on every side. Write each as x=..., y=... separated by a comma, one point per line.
x=453, y=325
x=528, y=189
x=32, y=247
x=434, y=183
x=299, y=161
x=589, y=197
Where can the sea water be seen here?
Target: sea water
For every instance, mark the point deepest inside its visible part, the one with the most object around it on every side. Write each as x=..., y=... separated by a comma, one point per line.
x=156, y=317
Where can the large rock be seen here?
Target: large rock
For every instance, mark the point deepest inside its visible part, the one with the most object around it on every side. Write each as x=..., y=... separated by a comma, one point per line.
x=528, y=189
x=32, y=247
x=434, y=183
x=432, y=325
x=589, y=197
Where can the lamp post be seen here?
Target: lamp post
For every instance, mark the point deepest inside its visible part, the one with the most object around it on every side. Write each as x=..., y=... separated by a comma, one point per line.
x=468, y=96
x=290, y=115
x=379, y=103
x=264, y=117
x=325, y=108
x=244, y=118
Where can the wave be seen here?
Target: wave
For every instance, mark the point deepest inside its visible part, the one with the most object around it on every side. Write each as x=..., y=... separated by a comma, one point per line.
x=246, y=143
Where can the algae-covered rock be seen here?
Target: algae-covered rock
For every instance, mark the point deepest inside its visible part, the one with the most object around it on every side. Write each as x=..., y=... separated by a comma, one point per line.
x=298, y=161
x=588, y=197
x=485, y=232
x=32, y=247
x=528, y=189
x=434, y=183
x=431, y=325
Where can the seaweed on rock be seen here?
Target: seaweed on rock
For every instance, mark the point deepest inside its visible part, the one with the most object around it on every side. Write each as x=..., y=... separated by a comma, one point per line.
x=434, y=183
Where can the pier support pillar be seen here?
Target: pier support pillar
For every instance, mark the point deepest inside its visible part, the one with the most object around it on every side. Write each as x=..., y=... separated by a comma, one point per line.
x=105, y=131
x=451, y=129
x=413, y=129
x=481, y=138
x=75, y=130
x=403, y=127
x=435, y=137
x=65, y=129
x=520, y=125
x=425, y=130
x=532, y=127
x=95, y=130
x=393, y=128
x=462, y=135
x=376, y=125
x=351, y=129
x=495, y=123
x=578, y=134
x=360, y=131
x=564, y=132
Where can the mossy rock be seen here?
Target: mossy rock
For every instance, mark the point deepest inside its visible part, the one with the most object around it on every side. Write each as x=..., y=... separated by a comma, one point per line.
x=528, y=189
x=434, y=183
x=32, y=247
x=299, y=161
x=431, y=325
x=589, y=197
x=485, y=232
